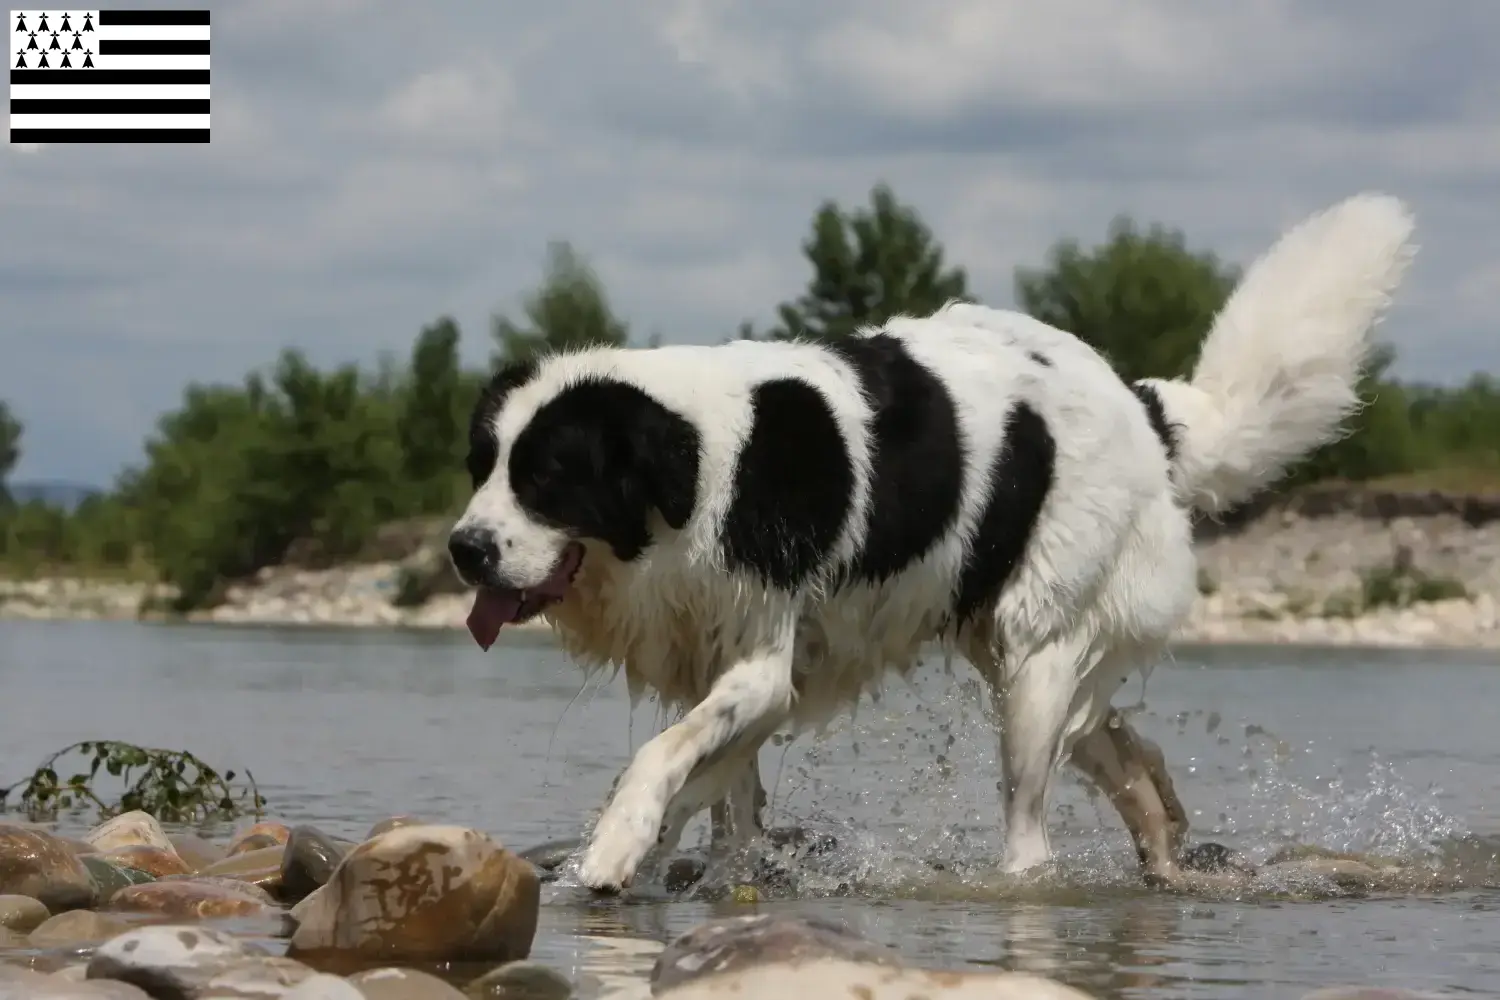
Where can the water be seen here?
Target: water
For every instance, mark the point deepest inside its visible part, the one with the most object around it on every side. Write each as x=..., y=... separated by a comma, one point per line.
x=1394, y=754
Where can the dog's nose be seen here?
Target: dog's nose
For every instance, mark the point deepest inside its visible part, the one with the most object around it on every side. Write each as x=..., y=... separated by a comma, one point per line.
x=474, y=553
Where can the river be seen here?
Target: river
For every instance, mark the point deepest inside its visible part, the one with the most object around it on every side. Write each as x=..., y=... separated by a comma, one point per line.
x=1388, y=753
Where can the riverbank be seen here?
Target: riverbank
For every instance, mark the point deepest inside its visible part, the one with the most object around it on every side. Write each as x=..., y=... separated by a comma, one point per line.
x=1340, y=576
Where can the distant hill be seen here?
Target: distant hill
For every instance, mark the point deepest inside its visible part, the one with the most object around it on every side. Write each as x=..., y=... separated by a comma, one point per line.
x=64, y=495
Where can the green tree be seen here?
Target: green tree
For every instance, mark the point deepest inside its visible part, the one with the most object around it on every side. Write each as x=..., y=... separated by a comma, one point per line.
x=869, y=264
x=10, y=450
x=570, y=310
x=1142, y=299
x=432, y=425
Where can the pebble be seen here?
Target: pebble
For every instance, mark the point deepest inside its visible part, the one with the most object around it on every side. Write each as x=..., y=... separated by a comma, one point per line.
x=76, y=927
x=17, y=983
x=21, y=913
x=734, y=943
x=132, y=829
x=35, y=863
x=837, y=977
x=198, y=899
x=402, y=984
x=1367, y=993
x=523, y=980
x=111, y=878
x=422, y=893
x=144, y=858
x=258, y=866
x=266, y=833
x=197, y=852
x=308, y=862
x=323, y=986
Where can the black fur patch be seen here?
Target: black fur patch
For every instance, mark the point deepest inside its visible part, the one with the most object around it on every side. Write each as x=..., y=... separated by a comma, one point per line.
x=484, y=449
x=1020, y=479
x=918, y=460
x=793, y=484
x=599, y=456
x=1039, y=358
x=1166, y=431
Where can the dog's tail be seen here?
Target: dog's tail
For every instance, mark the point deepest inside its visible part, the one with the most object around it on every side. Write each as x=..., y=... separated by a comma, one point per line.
x=1279, y=369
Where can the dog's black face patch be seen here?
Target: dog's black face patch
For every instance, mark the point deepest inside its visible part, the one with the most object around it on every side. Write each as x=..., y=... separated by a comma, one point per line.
x=918, y=456
x=598, y=457
x=484, y=449
x=1020, y=479
x=793, y=486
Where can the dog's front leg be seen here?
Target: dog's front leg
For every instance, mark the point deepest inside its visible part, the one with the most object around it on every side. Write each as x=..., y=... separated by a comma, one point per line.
x=742, y=708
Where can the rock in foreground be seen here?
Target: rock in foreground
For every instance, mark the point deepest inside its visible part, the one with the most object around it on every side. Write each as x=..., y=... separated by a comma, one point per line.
x=35, y=863
x=419, y=894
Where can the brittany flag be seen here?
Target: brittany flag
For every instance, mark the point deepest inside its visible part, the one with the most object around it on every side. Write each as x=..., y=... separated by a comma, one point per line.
x=108, y=76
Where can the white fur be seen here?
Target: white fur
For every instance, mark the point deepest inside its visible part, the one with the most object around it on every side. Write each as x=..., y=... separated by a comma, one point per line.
x=1108, y=573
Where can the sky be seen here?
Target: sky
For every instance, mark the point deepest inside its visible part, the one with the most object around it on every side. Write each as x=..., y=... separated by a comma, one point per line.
x=375, y=165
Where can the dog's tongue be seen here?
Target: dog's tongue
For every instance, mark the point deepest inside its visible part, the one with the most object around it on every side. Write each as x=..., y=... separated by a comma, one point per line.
x=492, y=609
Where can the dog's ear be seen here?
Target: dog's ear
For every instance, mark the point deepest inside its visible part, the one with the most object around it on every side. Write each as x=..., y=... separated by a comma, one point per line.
x=665, y=449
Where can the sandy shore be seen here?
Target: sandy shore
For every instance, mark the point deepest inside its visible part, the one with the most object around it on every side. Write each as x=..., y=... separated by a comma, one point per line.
x=1345, y=580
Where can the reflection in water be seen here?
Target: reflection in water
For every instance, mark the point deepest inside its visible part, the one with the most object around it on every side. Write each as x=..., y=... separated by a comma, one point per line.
x=1387, y=756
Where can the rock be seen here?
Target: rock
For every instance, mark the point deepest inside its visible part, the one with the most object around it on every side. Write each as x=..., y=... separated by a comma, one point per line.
x=21, y=913
x=308, y=862
x=76, y=927
x=135, y=828
x=322, y=986
x=263, y=834
x=267, y=978
x=521, y=980
x=1367, y=993
x=143, y=858
x=111, y=878
x=35, y=863
x=551, y=855
x=683, y=873
x=191, y=900
x=195, y=851
x=837, y=977
x=17, y=983
x=734, y=943
x=170, y=962
x=11, y=939
x=261, y=866
x=391, y=823
x=402, y=984
x=423, y=893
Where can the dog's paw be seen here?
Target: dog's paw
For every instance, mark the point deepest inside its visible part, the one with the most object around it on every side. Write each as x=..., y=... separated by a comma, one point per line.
x=615, y=852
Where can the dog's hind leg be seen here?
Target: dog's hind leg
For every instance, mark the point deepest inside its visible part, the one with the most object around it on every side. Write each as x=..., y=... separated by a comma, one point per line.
x=745, y=706
x=1131, y=771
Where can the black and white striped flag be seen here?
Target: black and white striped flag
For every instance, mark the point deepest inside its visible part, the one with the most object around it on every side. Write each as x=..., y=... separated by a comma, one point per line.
x=108, y=76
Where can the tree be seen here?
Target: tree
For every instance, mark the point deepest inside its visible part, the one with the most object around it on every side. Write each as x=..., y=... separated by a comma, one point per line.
x=570, y=310
x=868, y=264
x=10, y=450
x=1142, y=299
x=433, y=422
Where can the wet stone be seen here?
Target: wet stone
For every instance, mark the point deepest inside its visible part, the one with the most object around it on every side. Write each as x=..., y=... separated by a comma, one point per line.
x=170, y=962
x=733, y=943
x=58, y=986
x=269, y=978
x=522, y=980
x=308, y=862
x=322, y=986
x=264, y=834
x=35, y=863
x=422, y=893
x=152, y=860
x=683, y=873
x=392, y=823
x=837, y=977
x=1367, y=993
x=76, y=927
x=21, y=913
x=132, y=829
x=195, y=851
x=402, y=984
x=111, y=878
x=261, y=867
x=551, y=854
x=192, y=900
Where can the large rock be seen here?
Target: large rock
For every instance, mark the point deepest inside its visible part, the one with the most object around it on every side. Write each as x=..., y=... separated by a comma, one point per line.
x=34, y=863
x=132, y=829
x=422, y=893
x=21, y=913
x=194, y=899
x=837, y=977
x=76, y=927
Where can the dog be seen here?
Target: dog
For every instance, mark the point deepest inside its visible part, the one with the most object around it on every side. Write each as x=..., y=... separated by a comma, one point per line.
x=758, y=532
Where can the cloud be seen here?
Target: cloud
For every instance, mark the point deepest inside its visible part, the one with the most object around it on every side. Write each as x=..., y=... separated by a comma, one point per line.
x=375, y=165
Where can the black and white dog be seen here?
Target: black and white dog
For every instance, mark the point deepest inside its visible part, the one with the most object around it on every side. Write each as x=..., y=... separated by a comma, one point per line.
x=757, y=532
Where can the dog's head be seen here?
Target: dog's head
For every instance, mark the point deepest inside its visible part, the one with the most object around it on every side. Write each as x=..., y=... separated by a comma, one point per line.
x=555, y=462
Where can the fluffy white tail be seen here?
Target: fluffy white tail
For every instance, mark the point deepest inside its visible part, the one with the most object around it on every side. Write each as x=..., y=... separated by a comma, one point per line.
x=1279, y=370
